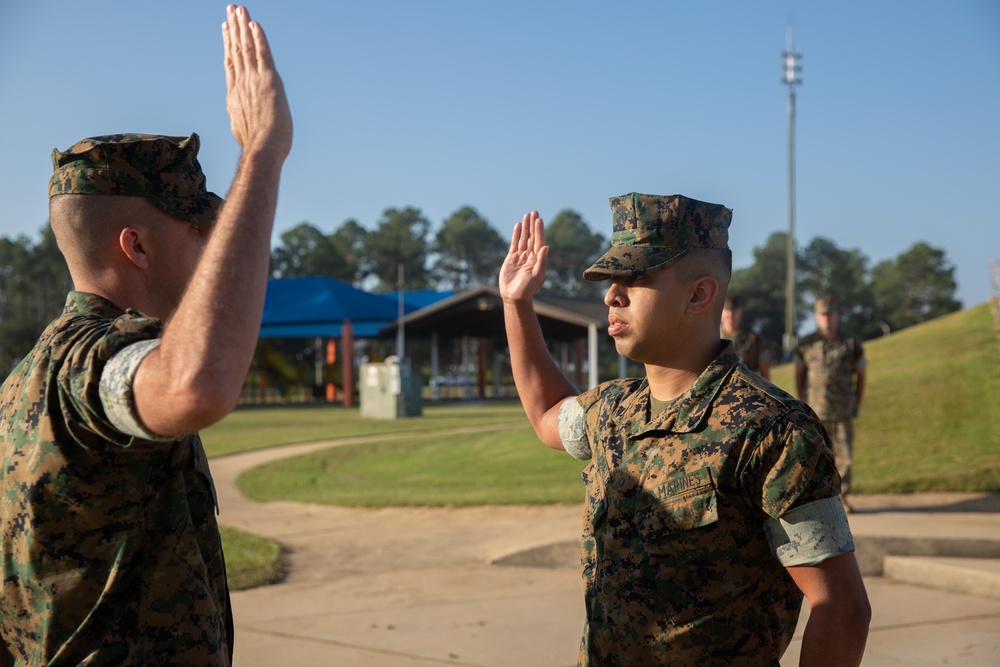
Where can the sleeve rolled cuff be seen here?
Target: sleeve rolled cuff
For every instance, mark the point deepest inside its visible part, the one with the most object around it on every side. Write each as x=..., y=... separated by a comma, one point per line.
x=573, y=431
x=117, y=394
x=811, y=533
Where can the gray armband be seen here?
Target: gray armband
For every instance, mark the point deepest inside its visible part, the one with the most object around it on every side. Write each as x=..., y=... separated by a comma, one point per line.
x=811, y=534
x=116, y=391
x=572, y=430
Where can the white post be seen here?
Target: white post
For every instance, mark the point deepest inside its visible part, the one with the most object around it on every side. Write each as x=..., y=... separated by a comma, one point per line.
x=592, y=355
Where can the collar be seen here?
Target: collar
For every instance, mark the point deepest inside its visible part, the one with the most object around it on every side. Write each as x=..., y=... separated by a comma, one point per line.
x=687, y=411
x=86, y=303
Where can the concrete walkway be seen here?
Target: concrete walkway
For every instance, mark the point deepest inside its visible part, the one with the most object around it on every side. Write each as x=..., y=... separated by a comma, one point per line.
x=496, y=586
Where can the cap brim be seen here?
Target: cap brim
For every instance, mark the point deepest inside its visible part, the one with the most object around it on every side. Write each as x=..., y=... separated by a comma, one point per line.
x=201, y=209
x=630, y=261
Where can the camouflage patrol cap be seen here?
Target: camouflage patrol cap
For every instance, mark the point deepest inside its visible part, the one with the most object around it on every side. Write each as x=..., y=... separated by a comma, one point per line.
x=164, y=170
x=653, y=231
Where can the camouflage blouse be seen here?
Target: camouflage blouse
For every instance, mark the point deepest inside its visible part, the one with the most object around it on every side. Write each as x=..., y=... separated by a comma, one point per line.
x=676, y=560
x=750, y=348
x=110, y=548
x=831, y=364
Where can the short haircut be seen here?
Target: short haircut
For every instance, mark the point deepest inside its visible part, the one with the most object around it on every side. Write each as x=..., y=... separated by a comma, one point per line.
x=85, y=226
x=714, y=262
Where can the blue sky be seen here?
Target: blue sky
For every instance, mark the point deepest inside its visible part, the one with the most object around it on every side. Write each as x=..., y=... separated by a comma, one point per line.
x=509, y=106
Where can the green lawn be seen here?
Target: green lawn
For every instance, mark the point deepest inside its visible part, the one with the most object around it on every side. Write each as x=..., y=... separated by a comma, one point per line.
x=257, y=428
x=492, y=466
x=251, y=560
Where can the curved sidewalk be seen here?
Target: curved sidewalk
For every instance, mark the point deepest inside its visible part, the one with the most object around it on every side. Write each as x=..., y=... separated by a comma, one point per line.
x=399, y=587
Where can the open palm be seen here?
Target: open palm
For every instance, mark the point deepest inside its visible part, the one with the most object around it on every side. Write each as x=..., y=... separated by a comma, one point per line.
x=523, y=270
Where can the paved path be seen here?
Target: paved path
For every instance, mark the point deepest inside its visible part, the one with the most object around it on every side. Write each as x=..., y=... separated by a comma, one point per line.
x=401, y=587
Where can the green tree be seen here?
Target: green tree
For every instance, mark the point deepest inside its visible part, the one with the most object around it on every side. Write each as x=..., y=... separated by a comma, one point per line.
x=469, y=250
x=761, y=286
x=350, y=240
x=399, y=240
x=917, y=286
x=306, y=251
x=573, y=247
x=51, y=275
x=34, y=281
x=15, y=263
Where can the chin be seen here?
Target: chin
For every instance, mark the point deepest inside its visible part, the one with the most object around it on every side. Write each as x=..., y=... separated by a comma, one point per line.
x=628, y=351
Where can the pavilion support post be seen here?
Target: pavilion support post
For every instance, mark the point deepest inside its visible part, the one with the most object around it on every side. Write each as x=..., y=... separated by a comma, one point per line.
x=331, y=358
x=435, y=389
x=347, y=363
x=481, y=371
x=591, y=356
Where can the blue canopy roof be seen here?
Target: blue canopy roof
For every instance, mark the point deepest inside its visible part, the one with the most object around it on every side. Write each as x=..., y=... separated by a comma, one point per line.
x=318, y=306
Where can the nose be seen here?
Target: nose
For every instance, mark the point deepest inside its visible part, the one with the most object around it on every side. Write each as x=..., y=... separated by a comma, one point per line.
x=615, y=296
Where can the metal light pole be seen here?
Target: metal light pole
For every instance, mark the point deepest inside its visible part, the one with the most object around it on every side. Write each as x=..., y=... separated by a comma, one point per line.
x=791, y=75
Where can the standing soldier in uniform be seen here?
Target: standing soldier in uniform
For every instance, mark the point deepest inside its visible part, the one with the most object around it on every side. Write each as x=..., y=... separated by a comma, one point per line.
x=111, y=553
x=749, y=345
x=830, y=377
x=712, y=495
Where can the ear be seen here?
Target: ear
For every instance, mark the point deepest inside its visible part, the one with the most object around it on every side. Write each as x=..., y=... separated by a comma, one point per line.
x=704, y=290
x=130, y=241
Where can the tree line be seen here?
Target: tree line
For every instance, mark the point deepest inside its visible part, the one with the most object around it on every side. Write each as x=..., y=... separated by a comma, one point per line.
x=34, y=282
x=466, y=251
x=916, y=286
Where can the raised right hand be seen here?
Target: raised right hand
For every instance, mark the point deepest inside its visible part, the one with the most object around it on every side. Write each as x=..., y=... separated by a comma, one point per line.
x=255, y=96
x=523, y=270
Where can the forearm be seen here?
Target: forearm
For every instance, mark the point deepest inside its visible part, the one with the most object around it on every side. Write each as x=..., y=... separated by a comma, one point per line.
x=208, y=343
x=839, y=612
x=541, y=386
x=833, y=639
x=215, y=326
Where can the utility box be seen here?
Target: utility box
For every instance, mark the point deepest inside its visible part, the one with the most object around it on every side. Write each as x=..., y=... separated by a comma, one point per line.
x=389, y=391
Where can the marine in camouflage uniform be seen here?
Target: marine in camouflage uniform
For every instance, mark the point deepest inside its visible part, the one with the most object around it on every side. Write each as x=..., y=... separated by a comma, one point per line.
x=748, y=344
x=830, y=376
x=712, y=500
x=110, y=552
x=110, y=547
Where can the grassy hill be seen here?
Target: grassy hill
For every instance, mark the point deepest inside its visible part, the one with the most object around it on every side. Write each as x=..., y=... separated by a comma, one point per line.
x=930, y=419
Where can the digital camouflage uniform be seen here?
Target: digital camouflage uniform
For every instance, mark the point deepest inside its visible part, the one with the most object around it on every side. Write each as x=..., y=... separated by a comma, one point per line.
x=750, y=348
x=110, y=549
x=831, y=364
x=677, y=562
x=694, y=513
